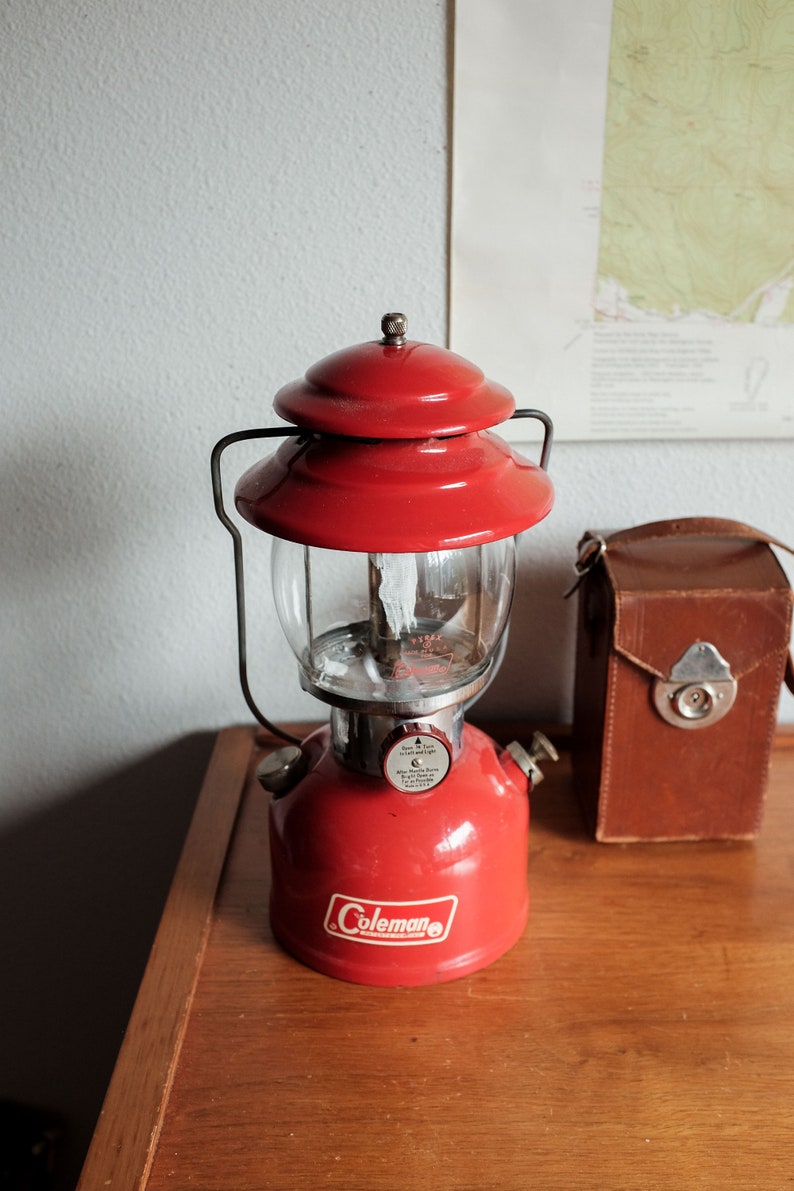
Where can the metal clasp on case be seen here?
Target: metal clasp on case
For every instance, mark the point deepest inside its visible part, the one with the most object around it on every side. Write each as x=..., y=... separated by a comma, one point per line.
x=699, y=691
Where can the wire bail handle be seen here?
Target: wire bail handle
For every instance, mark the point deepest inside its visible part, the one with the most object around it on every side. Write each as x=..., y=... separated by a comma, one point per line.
x=239, y=574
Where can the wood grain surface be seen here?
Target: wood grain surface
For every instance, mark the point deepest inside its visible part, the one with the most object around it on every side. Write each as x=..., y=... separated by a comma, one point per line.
x=640, y=1035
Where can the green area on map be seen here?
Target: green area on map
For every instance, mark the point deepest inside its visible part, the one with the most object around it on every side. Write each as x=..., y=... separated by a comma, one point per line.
x=697, y=213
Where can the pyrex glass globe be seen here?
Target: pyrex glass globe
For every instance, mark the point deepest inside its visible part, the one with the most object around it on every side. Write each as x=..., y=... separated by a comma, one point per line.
x=393, y=629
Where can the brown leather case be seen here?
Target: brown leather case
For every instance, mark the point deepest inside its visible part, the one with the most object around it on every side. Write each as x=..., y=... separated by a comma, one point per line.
x=682, y=644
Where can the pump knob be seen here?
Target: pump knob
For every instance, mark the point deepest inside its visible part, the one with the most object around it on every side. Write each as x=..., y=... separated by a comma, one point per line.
x=280, y=770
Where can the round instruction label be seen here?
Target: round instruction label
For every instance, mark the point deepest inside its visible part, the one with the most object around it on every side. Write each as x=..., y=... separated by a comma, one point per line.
x=415, y=761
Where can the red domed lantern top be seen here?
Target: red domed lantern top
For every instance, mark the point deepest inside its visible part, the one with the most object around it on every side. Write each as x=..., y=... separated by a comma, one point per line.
x=393, y=452
x=394, y=388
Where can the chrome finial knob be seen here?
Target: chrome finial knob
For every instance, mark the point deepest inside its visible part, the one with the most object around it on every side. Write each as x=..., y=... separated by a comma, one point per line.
x=394, y=328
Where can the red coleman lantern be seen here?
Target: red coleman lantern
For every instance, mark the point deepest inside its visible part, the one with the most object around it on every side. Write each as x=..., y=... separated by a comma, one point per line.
x=398, y=833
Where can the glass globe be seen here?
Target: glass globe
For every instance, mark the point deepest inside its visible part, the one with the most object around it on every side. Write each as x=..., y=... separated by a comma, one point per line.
x=389, y=631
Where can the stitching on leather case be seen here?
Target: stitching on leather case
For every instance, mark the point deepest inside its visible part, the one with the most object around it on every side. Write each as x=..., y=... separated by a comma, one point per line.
x=605, y=785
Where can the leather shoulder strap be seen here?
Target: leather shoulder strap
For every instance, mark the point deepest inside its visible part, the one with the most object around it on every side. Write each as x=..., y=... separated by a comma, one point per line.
x=689, y=527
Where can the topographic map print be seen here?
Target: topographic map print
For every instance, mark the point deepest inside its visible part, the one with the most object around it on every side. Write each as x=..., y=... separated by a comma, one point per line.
x=622, y=248
x=697, y=208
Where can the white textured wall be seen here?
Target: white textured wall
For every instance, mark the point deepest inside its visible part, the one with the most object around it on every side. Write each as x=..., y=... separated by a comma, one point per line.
x=197, y=201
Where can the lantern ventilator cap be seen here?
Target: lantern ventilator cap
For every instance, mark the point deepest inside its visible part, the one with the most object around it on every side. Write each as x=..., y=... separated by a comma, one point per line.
x=394, y=388
x=394, y=453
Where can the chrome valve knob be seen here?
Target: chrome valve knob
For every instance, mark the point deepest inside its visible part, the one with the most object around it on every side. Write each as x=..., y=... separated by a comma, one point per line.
x=540, y=749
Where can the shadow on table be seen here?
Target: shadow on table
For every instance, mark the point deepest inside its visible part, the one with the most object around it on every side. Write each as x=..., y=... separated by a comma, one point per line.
x=82, y=885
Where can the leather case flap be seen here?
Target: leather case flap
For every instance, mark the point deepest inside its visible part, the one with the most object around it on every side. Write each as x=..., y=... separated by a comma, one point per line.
x=670, y=594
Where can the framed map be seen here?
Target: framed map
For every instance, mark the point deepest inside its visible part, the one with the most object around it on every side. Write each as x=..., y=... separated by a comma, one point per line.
x=622, y=248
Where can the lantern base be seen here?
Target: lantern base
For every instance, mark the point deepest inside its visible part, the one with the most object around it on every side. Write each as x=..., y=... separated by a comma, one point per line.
x=378, y=886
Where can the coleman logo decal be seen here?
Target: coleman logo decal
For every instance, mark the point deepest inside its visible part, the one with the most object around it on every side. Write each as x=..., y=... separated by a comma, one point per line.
x=390, y=923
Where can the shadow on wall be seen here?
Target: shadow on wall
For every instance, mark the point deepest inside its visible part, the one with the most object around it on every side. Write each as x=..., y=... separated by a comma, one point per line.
x=82, y=887
x=538, y=664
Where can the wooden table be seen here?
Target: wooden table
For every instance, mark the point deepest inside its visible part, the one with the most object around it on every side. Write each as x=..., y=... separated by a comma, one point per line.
x=641, y=1034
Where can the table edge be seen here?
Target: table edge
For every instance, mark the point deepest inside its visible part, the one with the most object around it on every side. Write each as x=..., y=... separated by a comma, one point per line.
x=127, y=1131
